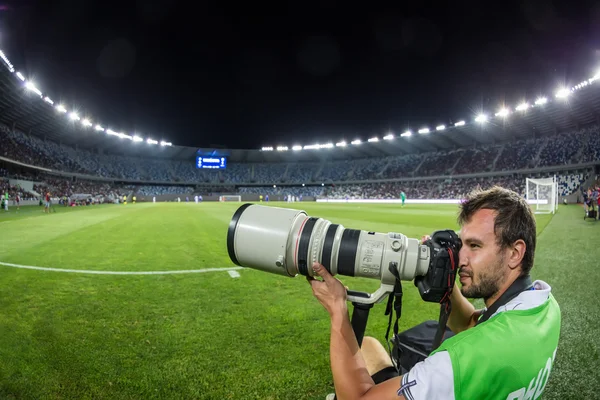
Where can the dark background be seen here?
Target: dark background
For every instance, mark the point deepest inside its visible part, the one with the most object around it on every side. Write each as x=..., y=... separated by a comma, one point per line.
x=243, y=76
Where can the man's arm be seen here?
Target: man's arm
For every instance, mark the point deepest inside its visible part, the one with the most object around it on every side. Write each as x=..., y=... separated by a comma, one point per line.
x=350, y=376
x=463, y=314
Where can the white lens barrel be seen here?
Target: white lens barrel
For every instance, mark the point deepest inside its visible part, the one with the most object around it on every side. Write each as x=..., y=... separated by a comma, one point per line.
x=264, y=237
x=287, y=242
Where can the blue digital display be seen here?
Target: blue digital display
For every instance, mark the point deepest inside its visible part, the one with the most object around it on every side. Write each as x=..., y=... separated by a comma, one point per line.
x=211, y=162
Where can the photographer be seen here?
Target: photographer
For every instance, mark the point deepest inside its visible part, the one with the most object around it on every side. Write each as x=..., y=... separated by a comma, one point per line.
x=505, y=351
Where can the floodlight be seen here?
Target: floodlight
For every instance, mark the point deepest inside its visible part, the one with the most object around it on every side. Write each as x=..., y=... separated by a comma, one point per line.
x=406, y=133
x=265, y=148
x=20, y=76
x=99, y=128
x=481, y=118
x=282, y=148
x=541, y=100
x=296, y=147
x=389, y=136
x=31, y=86
x=522, y=107
x=440, y=127
x=374, y=139
x=74, y=116
x=423, y=130
x=48, y=100
x=460, y=123
x=86, y=122
x=563, y=93
x=8, y=63
x=61, y=108
x=503, y=112
x=136, y=138
x=356, y=141
x=341, y=144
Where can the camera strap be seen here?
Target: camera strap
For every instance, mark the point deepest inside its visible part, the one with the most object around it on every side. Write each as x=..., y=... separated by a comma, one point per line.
x=445, y=309
x=395, y=302
x=520, y=285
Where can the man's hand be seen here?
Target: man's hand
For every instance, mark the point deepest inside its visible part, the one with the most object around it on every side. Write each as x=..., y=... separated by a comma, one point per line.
x=330, y=292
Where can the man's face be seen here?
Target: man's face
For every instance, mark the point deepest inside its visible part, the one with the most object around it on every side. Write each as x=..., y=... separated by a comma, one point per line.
x=481, y=261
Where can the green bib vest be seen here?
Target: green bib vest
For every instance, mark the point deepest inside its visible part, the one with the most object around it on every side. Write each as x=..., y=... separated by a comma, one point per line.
x=508, y=357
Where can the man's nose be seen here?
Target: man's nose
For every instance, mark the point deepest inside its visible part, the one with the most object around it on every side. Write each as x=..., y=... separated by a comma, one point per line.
x=463, y=258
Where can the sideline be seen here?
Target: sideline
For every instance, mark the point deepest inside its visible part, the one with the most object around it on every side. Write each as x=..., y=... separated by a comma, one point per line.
x=85, y=271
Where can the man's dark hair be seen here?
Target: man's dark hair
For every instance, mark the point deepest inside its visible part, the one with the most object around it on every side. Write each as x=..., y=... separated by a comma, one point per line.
x=514, y=219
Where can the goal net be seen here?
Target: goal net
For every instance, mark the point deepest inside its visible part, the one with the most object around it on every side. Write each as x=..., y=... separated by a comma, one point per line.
x=542, y=194
x=230, y=198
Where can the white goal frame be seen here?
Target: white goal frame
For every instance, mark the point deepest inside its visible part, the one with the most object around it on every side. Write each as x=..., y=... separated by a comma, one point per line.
x=543, y=205
x=230, y=198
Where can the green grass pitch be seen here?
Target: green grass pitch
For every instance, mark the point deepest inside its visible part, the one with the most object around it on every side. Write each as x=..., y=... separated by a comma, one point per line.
x=212, y=336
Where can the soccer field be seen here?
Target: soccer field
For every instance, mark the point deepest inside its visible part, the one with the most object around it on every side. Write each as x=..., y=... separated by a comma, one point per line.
x=205, y=334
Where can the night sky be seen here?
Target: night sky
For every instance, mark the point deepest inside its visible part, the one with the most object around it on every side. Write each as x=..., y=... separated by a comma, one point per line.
x=299, y=72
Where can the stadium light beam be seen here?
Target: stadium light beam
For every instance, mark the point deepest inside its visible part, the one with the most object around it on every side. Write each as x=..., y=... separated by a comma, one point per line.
x=562, y=93
x=460, y=123
x=541, y=100
x=11, y=68
x=481, y=118
x=423, y=130
x=522, y=107
x=440, y=127
x=31, y=86
x=406, y=134
x=503, y=112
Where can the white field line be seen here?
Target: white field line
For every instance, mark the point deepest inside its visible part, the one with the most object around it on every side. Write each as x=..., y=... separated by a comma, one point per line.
x=85, y=271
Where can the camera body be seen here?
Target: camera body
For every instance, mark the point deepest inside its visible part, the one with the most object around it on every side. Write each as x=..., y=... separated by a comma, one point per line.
x=436, y=285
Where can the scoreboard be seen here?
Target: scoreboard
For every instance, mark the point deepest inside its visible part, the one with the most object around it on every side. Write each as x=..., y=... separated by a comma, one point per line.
x=211, y=162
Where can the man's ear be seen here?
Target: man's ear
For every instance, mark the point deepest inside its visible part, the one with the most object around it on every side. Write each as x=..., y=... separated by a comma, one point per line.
x=516, y=252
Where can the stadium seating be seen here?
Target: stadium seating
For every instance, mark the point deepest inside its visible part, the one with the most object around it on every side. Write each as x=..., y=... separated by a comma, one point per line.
x=567, y=148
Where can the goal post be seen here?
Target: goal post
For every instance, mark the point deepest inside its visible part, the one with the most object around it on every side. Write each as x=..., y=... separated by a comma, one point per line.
x=230, y=198
x=542, y=194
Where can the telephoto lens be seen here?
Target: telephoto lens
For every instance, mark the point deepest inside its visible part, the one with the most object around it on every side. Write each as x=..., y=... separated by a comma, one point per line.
x=287, y=242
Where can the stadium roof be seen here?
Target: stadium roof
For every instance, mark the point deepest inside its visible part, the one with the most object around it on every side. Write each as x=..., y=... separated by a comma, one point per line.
x=28, y=109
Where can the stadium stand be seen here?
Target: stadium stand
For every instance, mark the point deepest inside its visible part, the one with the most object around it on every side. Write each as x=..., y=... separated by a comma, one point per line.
x=565, y=149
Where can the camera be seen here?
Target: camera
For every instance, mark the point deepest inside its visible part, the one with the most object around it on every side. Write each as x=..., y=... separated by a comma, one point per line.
x=287, y=242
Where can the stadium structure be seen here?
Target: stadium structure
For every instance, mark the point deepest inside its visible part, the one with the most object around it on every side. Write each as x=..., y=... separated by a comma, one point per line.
x=47, y=147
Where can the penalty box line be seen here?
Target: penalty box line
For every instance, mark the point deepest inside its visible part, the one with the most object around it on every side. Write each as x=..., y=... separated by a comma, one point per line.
x=86, y=271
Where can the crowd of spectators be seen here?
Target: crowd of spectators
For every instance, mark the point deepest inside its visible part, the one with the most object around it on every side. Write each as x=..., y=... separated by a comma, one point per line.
x=558, y=150
x=449, y=188
x=161, y=190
